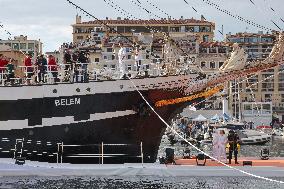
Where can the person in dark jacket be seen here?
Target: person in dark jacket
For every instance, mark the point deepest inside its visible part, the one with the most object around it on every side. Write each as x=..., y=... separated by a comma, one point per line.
x=42, y=67
x=233, y=140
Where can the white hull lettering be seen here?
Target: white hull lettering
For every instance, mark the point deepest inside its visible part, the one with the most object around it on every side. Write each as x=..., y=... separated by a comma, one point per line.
x=67, y=102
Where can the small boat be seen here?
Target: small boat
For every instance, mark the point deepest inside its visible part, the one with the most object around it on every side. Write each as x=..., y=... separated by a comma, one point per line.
x=253, y=137
x=278, y=132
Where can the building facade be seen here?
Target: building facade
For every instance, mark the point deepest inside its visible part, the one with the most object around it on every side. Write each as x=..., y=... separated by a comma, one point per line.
x=258, y=46
x=202, y=28
x=210, y=59
x=25, y=45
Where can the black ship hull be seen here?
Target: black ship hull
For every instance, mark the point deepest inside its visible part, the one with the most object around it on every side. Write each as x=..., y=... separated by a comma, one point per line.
x=88, y=125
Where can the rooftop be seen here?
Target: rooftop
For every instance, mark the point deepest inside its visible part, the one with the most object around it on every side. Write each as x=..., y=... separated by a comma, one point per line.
x=246, y=34
x=151, y=21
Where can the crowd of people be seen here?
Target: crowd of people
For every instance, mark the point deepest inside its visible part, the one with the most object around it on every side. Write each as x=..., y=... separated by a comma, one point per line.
x=34, y=70
x=76, y=64
x=38, y=70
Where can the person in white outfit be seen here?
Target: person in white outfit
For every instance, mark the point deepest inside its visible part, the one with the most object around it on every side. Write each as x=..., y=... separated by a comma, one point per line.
x=222, y=142
x=121, y=57
x=138, y=58
x=215, y=143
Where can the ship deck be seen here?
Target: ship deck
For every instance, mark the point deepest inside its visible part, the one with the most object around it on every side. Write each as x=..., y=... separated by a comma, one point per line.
x=185, y=168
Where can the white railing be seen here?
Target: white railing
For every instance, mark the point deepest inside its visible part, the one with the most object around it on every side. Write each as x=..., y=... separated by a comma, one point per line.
x=84, y=72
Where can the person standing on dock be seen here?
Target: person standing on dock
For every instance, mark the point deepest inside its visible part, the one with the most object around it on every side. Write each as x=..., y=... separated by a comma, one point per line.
x=121, y=57
x=233, y=140
x=222, y=146
x=215, y=142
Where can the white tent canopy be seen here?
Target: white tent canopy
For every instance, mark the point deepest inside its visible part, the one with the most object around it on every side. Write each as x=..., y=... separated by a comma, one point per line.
x=200, y=118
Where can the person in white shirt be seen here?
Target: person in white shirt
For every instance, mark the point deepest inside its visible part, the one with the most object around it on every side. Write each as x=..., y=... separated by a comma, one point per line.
x=222, y=142
x=121, y=58
x=138, y=58
x=215, y=142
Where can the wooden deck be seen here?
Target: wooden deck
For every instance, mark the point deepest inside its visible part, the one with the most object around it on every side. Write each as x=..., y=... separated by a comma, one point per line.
x=273, y=162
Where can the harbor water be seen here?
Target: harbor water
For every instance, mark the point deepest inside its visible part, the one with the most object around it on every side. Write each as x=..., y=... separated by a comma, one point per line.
x=137, y=182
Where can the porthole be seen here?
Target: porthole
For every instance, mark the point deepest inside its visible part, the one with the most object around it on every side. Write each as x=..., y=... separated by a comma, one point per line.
x=66, y=129
x=78, y=90
x=88, y=89
x=54, y=91
x=31, y=133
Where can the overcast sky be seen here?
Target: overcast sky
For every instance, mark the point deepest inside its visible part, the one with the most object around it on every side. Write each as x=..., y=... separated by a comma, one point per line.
x=50, y=20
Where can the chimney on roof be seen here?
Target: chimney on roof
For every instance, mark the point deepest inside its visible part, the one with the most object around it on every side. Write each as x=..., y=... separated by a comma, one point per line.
x=106, y=18
x=118, y=18
x=78, y=19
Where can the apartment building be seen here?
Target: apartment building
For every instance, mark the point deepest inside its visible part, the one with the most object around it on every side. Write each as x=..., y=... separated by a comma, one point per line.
x=258, y=46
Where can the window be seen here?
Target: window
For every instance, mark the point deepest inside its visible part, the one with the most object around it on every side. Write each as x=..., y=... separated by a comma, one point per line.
x=8, y=44
x=15, y=46
x=174, y=29
x=105, y=57
x=248, y=109
x=97, y=60
x=203, y=64
x=113, y=67
x=109, y=49
x=129, y=57
x=205, y=38
x=221, y=64
x=23, y=45
x=212, y=65
x=266, y=109
x=205, y=29
x=196, y=28
x=31, y=46
x=189, y=29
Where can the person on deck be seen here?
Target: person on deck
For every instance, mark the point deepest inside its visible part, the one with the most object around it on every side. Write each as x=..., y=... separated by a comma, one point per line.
x=29, y=67
x=10, y=71
x=3, y=64
x=52, y=67
x=42, y=67
x=138, y=58
x=121, y=58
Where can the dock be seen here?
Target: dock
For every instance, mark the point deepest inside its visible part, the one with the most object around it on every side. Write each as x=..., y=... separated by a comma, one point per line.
x=184, y=168
x=256, y=162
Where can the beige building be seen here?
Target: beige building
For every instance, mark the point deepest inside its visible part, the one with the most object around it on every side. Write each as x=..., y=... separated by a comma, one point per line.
x=202, y=28
x=258, y=46
x=210, y=58
x=22, y=43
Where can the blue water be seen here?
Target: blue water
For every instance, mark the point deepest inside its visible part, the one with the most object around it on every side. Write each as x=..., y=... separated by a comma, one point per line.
x=137, y=182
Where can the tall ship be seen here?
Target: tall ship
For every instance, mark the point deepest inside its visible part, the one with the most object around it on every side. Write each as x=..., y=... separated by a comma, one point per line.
x=83, y=112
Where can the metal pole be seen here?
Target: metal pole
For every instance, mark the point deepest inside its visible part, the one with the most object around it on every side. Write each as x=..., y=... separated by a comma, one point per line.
x=62, y=152
x=142, y=156
x=57, y=157
x=22, y=147
x=102, y=152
